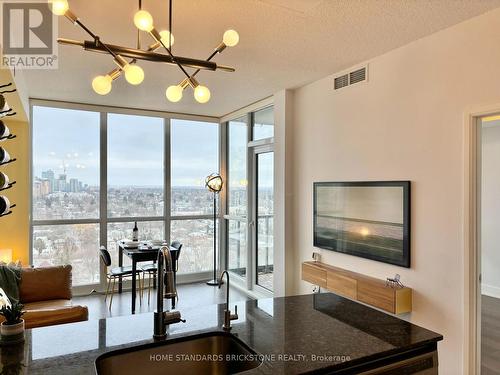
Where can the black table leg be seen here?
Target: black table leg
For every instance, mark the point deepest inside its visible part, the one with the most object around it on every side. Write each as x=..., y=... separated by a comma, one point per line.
x=120, y=264
x=134, y=267
x=154, y=278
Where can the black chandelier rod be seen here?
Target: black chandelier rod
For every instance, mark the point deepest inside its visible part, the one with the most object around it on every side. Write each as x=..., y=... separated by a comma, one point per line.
x=146, y=55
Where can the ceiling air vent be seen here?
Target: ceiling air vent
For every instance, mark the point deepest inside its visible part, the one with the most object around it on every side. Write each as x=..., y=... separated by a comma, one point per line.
x=347, y=79
x=357, y=76
x=341, y=81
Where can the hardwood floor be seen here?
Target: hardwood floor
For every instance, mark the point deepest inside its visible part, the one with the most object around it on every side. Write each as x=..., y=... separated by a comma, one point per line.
x=490, y=336
x=190, y=295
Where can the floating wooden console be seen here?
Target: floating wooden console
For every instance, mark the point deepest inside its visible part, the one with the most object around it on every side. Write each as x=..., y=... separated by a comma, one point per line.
x=358, y=287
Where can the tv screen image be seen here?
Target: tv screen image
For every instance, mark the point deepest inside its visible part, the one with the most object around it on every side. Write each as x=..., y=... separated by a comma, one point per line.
x=367, y=219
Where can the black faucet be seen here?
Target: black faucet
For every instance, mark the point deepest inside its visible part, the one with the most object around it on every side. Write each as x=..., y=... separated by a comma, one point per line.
x=227, y=313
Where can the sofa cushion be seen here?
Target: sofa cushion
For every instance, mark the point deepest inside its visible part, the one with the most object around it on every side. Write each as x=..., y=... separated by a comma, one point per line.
x=47, y=313
x=45, y=283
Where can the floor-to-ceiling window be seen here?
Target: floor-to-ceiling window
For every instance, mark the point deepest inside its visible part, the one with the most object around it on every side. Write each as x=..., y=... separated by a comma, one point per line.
x=194, y=155
x=135, y=183
x=66, y=191
x=250, y=198
x=96, y=172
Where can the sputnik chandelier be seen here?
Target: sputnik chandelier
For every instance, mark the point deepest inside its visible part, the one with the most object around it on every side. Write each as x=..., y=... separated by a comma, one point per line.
x=134, y=74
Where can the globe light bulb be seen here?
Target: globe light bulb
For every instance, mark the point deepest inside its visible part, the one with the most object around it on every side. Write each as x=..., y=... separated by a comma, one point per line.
x=59, y=7
x=102, y=84
x=133, y=74
x=231, y=38
x=174, y=93
x=143, y=20
x=165, y=34
x=201, y=94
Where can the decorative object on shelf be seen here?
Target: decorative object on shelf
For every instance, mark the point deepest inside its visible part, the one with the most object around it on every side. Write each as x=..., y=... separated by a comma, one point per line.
x=5, y=132
x=5, y=110
x=4, y=182
x=394, y=282
x=7, y=91
x=368, y=219
x=12, y=329
x=316, y=256
x=5, y=157
x=5, y=206
x=134, y=74
x=214, y=184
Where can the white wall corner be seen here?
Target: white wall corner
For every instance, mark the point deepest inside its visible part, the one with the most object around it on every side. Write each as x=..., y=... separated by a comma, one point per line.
x=284, y=256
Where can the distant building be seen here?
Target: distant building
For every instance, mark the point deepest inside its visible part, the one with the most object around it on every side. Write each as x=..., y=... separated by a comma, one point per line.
x=50, y=177
x=74, y=185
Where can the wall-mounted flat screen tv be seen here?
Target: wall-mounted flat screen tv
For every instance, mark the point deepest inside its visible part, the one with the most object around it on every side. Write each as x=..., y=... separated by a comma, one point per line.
x=366, y=219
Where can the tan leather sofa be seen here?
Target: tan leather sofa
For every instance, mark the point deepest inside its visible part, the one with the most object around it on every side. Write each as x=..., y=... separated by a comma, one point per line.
x=46, y=295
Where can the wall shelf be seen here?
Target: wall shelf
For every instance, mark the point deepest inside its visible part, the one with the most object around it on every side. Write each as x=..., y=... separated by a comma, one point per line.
x=358, y=287
x=9, y=212
x=7, y=162
x=8, y=186
x=10, y=136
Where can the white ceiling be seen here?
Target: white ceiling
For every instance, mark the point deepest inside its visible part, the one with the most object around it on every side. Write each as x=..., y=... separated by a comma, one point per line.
x=283, y=44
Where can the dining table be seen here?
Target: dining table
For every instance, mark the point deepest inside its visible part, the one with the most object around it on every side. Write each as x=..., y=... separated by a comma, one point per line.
x=143, y=252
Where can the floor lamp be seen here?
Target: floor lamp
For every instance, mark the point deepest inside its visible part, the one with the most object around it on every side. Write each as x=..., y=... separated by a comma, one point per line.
x=214, y=184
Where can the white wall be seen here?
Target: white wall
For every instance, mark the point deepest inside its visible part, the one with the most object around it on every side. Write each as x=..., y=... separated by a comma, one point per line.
x=406, y=123
x=490, y=211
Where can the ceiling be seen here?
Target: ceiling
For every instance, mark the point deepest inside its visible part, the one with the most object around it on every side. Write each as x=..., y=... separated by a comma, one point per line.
x=283, y=44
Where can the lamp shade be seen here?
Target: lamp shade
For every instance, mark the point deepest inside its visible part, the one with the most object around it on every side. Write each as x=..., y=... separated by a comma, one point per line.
x=214, y=182
x=6, y=255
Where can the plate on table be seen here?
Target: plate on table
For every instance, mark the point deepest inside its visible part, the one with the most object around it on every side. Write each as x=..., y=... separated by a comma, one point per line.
x=131, y=244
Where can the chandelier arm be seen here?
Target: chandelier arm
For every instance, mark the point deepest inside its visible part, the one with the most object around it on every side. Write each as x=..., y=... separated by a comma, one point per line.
x=208, y=59
x=174, y=59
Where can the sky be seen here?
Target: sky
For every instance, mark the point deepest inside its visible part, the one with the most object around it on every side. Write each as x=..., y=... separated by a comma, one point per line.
x=70, y=139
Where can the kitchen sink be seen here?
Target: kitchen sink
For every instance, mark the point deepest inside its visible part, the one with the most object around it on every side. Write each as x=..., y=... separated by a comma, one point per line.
x=207, y=353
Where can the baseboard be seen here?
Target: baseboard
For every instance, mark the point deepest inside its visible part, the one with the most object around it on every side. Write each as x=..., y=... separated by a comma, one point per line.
x=490, y=290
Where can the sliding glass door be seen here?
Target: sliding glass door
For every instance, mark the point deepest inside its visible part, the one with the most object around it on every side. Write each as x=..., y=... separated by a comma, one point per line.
x=250, y=200
x=264, y=214
x=237, y=205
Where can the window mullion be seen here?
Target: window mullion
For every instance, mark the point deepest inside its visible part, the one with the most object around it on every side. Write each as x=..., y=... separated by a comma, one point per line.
x=167, y=188
x=103, y=191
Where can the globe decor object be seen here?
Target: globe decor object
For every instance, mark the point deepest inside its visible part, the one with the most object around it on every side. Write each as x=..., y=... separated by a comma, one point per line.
x=214, y=183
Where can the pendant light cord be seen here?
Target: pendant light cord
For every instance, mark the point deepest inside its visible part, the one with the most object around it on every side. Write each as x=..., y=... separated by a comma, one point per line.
x=139, y=31
x=170, y=24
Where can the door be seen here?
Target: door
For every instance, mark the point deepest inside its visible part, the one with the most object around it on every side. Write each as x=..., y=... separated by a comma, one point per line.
x=264, y=218
x=489, y=243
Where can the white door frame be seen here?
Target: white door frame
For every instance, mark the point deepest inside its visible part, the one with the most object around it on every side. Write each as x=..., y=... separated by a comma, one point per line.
x=472, y=238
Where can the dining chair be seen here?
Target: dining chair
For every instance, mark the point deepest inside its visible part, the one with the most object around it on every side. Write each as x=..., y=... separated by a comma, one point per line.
x=116, y=272
x=151, y=268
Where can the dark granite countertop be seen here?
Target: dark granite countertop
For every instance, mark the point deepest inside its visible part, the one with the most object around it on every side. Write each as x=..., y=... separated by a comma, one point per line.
x=296, y=334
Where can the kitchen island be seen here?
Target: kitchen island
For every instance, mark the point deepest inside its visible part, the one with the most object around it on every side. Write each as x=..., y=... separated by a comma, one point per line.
x=321, y=333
